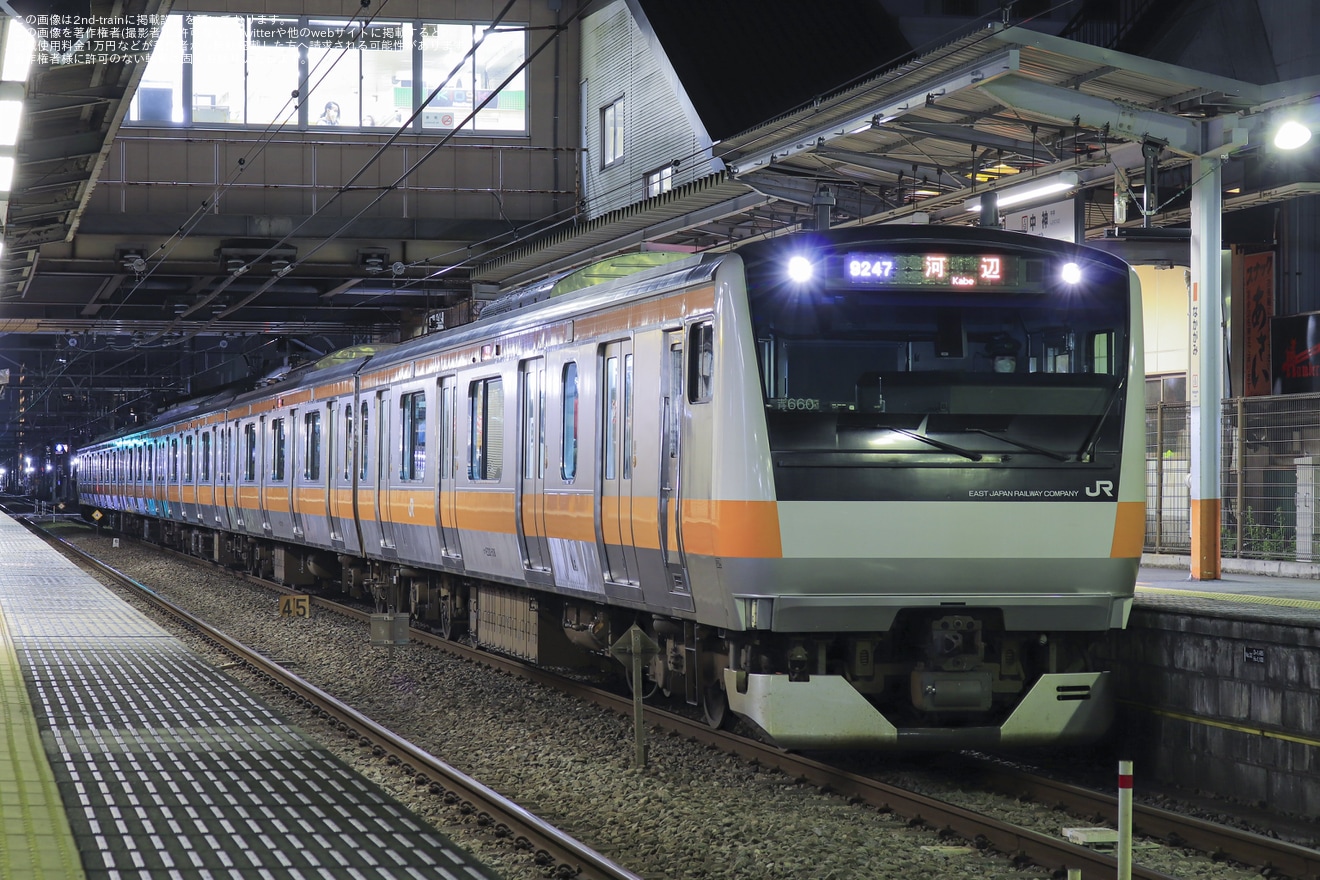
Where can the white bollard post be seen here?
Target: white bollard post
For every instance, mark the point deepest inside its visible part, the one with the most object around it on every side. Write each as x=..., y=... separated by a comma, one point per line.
x=1124, y=820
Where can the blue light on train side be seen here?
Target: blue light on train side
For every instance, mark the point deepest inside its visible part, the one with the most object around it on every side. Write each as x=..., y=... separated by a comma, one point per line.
x=800, y=270
x=1071, y=273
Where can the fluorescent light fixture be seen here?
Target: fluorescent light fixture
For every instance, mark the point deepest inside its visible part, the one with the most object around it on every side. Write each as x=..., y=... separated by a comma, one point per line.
x=1291, y=135
x=1031, y=192
x=10, y=112
x=916, y=218
x=19, y=44
x=6, y=173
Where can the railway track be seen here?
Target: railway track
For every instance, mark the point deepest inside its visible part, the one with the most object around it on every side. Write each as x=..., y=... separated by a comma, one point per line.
x=570, y=857
x=1272, y=857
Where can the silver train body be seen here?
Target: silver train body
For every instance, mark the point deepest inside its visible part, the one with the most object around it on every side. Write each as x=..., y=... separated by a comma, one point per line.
x=897, y=501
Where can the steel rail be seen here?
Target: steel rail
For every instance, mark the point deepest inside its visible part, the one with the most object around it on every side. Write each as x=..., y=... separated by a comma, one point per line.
x=573, y=856
x=1220, y=841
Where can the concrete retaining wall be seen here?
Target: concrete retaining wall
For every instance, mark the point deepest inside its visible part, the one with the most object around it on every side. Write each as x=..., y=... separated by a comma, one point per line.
x=1226, y=706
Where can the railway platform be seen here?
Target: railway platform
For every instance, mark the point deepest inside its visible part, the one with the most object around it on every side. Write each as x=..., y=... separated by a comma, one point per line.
x=1219, y=684
x=128, y=756
x=1170, y=576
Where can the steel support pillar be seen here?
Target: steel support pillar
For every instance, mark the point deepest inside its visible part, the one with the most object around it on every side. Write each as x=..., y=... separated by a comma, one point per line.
x=1205, y=382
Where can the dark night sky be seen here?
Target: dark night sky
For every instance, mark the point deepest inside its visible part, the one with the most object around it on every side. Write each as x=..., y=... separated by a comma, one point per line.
x=796, y=51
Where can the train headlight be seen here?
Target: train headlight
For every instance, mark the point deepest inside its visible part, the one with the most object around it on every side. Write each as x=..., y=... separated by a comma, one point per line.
x=800, y=270
x=1071, y=273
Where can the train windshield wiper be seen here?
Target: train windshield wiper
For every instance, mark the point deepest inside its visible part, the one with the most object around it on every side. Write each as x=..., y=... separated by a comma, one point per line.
x=999, y=435
x=1088, y=447
x=920, y=434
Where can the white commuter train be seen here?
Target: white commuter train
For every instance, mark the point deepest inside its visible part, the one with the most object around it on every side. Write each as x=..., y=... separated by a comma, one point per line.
x=866, y=488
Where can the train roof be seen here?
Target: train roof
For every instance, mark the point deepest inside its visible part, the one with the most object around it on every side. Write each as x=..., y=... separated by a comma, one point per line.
x=542, y=303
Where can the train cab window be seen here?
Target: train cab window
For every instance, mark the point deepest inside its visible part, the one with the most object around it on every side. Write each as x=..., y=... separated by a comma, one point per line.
x=206, y=456
x=413, y=414
x=701, y=362
x=279, y=442
x=250, y=451
x=312, y=445
x=1101, y=349
x=569, y=450
x=486, y=440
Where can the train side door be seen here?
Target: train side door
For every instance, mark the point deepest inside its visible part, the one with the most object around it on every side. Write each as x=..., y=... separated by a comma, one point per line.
x=233, y=472
x=616, y=463
x=386, y=426
x=671, y=496
x=531, y=467
x=296, y=464
x=447, y=433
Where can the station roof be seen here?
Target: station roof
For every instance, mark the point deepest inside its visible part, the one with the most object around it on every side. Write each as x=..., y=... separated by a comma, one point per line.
x=915, y=142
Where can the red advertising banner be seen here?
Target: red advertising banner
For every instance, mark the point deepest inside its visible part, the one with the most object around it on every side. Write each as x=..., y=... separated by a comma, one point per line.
x=1258, y=310
x=1296, y=356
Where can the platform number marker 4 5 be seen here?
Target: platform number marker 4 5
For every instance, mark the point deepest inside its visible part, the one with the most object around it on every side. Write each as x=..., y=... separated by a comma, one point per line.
x=295, y=606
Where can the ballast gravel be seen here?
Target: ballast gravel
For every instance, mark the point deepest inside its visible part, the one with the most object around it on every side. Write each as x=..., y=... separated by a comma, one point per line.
x=692, y=813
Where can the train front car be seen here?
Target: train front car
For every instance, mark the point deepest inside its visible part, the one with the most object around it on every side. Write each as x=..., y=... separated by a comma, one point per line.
x=954, y=424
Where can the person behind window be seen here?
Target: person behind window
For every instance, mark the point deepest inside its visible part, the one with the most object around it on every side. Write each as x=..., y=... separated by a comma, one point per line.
x=329, y=116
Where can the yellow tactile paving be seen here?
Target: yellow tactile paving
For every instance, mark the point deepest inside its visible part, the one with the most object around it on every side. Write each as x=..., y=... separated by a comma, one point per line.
x=35, y=840
x=1249, y=599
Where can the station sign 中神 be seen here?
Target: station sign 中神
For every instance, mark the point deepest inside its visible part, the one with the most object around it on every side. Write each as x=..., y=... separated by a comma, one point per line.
x=1055, y=220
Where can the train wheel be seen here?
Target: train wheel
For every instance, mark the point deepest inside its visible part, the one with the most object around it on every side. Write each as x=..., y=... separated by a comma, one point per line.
x=715, y=707
x=452, y=625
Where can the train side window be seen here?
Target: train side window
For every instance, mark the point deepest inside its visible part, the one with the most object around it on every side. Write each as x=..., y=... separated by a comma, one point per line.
x=349, y=441
x=188, y=458
x=533, y=416
x=413, y=412
x=569, y=451
x=627, y=416
x=312, y=445
x=174, y=459
x=446, y=427
x=486, y=418
x=363, y=446
x=206, y=456
x=250, y=451
x=611, y=418
x=279, y=441
x=701, y=363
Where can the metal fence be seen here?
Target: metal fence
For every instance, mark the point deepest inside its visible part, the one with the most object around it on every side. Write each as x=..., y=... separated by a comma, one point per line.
x=1269, y=482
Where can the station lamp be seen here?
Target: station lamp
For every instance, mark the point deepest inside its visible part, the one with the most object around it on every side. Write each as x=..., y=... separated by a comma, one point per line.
x=1291, y=135
x=17, y=44
x=1030, y=191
